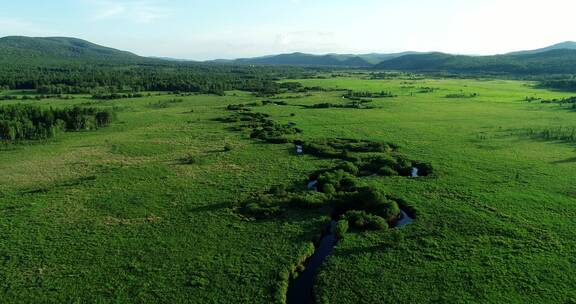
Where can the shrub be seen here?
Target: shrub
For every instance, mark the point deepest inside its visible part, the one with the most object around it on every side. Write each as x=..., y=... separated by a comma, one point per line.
x=260, y=211
x=387, y=171
x=374, y=165
x=277, y=140
x=341, y=228
x=389, y=211
x=403, y=166
x=348, y=167
x=189, y=159
x=329, y=189
x=340, y=180
x=424, y=169
x=228, y=147
x=309, y=200
x=278, y=190
x=362, y=220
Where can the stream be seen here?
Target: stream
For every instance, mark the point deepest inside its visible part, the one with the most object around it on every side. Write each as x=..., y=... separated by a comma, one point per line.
x=300, y=289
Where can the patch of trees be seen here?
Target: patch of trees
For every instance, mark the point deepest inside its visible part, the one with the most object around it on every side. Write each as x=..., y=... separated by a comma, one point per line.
x=385, y=75
x=260, y=125
x=425, y=90
x=462, y=95
x=567, y=134
x=162, y=104
x=354, y=95
x=351, y=105
x=28, y=122
x=563, y=84
x=113, y=96
x=356, y=207
x=532, y=98
x=34, y=97
x=338, y=189
x=365, y=158
x=565, y=100
x=88, y=78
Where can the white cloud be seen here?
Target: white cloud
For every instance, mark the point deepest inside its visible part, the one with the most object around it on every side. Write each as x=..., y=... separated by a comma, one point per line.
x=138, y=11
x=12, y=26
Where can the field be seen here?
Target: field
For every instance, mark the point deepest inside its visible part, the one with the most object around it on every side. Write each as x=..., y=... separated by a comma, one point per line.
x=145, y=210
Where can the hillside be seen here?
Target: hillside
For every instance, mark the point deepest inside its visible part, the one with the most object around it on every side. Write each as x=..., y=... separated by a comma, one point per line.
x=559, y=61
x=334, y=60
x=306, y=59
x=567, y=45
x=18, y=49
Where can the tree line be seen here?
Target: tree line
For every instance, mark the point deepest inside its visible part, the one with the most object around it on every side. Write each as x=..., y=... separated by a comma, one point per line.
x=76, y=78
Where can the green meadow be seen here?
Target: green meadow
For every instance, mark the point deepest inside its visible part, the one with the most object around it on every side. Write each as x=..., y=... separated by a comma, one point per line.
x=146, y=210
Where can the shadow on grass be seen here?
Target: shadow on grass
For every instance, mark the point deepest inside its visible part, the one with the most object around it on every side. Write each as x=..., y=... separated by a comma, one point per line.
x=565, y=161
x=209, y=208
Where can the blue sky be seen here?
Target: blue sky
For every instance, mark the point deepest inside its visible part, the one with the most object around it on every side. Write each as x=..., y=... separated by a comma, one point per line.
x=208, y=29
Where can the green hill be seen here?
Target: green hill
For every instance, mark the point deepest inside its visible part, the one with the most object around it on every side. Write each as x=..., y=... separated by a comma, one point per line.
x=334, y=60
x=558, y=61
x=306, y=59
x=567, y=45
x=18, y=49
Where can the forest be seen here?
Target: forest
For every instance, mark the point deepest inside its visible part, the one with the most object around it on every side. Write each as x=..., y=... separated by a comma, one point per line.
x=28, y=122
x=89, y=78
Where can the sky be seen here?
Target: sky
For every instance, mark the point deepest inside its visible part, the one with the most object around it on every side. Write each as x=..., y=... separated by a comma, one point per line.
x=211, y=29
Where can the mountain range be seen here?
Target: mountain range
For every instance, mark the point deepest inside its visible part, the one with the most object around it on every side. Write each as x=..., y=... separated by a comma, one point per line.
x=556, y=59
x=342, y=60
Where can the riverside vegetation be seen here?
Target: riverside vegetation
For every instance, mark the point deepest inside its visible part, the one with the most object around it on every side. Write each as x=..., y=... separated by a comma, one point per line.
x=201, y=198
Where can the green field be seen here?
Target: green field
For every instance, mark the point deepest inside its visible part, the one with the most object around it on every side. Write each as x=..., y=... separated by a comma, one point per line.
x=119, y=215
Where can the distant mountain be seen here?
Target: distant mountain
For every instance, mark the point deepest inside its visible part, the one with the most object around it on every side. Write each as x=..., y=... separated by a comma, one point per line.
x=18, y=49
x=335, y=60
x=306, y=59
x=375, y=58
x=567, y=45
x=555, y=61
x=171, y=59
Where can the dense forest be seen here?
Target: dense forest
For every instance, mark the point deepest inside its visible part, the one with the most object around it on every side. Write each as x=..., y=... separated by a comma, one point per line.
x=71, y=66
x=559, y=61
x=86, y=78
x=562, y=84
x=27, y=122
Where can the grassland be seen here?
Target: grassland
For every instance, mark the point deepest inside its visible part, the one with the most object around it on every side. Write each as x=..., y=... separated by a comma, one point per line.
x=116, y=215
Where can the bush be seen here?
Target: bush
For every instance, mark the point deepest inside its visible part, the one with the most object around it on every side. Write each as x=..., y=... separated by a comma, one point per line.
x=260, y=211
x=329, y=189
x=278, y=190
x=228, y=147
x=389, y=211
x=387, y=171
x=189, y=159
x=338, y=179
x=362, y=220
x=309, y=200
x=341, y=228
x=403, y=166
x=424, y=169
x=348, y=167
x=375, y=164
x=263, y=206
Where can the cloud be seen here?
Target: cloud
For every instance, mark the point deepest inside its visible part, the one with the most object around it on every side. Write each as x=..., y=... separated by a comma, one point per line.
x=138, y=11
x=309, y=40
x=12, y=26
